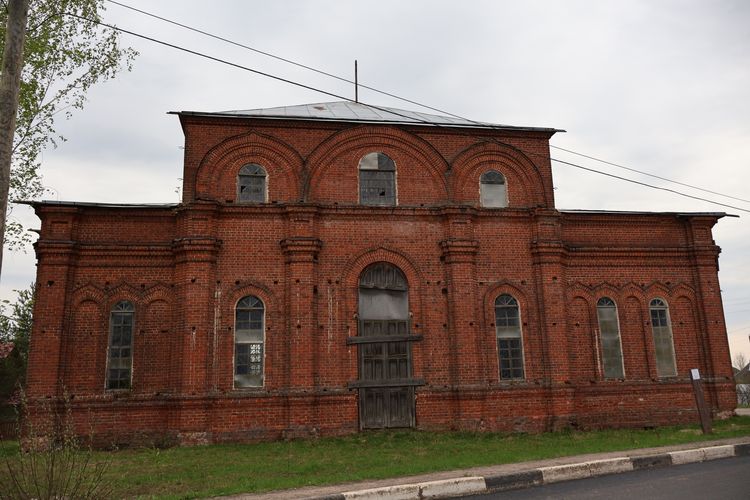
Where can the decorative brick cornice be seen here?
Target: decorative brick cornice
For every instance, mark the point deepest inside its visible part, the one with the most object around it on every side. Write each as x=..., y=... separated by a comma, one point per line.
x=548, y=252
x=196, y=249
x=460, y=251
x=301, y=249
x=55, y=252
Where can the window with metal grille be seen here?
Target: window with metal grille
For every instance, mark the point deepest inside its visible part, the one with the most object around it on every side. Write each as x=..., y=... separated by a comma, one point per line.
x=509, y=339
x=492, y=190
x=120, y=349
x=609, y=330
x=377, y=180
x=661, y=327
x=248, y=342
x=251, y=184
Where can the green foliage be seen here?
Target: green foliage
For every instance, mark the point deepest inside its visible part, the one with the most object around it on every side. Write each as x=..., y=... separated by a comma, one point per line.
x=52, y=463
x=15, y=326
x=208, y=471
x=64, y=56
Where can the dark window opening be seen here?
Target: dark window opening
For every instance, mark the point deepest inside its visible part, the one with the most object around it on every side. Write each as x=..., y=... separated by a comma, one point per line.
x=509, y=339
x=120, y=355
x=248, y=342
x=377, y=180
x=251, y=184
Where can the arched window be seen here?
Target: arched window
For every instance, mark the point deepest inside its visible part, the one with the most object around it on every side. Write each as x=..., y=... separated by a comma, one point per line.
x=509, y=341
x=377, y=180
x=609, y=329
x=492, y=190
x=251, y=184
x=248, y=342
x=661, y=327
x=120, y=350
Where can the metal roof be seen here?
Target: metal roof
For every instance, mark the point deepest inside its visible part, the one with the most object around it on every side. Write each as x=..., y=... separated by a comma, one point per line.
x=627, y=212
x=349, y=111
x=34, y=203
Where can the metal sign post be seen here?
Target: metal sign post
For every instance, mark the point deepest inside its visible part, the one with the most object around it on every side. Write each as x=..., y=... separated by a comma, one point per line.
x=695, y=378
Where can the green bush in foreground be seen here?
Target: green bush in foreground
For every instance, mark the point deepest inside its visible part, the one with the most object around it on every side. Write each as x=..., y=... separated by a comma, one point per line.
x=230, y=469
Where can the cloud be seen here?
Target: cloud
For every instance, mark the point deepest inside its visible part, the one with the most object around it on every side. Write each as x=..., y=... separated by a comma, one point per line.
x=661, y=87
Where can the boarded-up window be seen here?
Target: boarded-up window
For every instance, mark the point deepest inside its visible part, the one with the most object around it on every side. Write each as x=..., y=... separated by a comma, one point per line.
x=383, y=293
x=251, y=184
x=248, y=342
x=377, y=180
x=609, y=329
x=492, y=190
x=509, y=340
x=120, y=351
x=661, y=326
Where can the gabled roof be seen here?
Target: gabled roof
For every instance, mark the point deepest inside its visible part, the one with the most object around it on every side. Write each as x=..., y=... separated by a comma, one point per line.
x=349, y=111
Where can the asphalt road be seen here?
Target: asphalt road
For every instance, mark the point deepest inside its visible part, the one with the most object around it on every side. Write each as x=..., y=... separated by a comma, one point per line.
x=725, y=479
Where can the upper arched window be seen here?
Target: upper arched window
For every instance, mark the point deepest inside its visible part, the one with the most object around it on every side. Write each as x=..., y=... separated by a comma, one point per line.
x=383, y=300
x=661, y=326
x=609, y=329
x=120, y=348
x=492, y=190
x=377, y=180
x=508, y=334
x=248, y=342
x=251, y=184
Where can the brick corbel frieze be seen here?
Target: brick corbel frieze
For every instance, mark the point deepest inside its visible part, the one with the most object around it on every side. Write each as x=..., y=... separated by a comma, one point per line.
x=459, y=251
x=301, y=249
x=59, y=253
x=196, y=249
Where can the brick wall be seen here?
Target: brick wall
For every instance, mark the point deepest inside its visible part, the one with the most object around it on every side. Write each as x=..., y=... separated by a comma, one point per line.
x=184, y=268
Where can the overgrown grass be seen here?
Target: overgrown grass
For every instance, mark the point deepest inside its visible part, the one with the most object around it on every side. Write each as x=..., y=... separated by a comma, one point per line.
x=229, y=469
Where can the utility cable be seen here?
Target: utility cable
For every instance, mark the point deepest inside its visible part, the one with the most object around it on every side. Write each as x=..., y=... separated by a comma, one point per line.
x=310, y=68
x=316, y=70
x=410, y=118
x=648, y=174
x=649, y=185
x=279, y=58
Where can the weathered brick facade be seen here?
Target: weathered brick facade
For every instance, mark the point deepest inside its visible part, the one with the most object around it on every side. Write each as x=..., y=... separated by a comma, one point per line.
x=302, y=252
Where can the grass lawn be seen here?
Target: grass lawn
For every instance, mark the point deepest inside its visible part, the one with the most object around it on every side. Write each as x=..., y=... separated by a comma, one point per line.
x=230, y=469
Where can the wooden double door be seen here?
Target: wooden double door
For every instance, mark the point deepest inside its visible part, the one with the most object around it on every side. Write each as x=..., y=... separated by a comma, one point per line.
x=385, y=383
x=386, y=388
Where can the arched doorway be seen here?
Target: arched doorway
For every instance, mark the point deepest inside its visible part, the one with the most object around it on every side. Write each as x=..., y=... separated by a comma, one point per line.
x=386, y=387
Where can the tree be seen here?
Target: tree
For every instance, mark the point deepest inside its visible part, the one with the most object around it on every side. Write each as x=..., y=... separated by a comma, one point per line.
x=15, y=326
x=739, y=361
x=65, y=54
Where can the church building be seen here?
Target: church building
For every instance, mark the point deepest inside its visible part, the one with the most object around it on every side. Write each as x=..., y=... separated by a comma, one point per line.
x=338, y=267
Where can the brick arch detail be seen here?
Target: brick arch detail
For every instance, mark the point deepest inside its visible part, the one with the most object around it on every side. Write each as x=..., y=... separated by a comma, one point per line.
x=243, y=290
x=216, y=176
x=124, y=291
x=356, y=142
x=495, y=290
x=159, y=291
x=87, y=292
x=524, y=182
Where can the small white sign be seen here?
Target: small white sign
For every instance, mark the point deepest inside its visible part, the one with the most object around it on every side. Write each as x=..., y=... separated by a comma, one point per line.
x=695, y=374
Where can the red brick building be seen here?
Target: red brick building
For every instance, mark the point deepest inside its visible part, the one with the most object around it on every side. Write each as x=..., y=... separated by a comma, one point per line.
x=336, y=267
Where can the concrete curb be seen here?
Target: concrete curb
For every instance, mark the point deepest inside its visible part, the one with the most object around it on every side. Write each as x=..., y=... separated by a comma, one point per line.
x=447, y=488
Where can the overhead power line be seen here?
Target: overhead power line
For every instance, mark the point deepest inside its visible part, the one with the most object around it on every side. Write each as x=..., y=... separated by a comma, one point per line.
x=649, y=185
x=412, y=118
x=279, y=58
x=448, y=113
x=648, y=174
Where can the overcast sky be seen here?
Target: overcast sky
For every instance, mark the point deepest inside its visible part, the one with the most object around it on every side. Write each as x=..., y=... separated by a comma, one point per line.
x=659, y=86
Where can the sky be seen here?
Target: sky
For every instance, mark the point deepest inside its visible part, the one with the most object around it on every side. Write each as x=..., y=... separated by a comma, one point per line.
x=661, y=86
